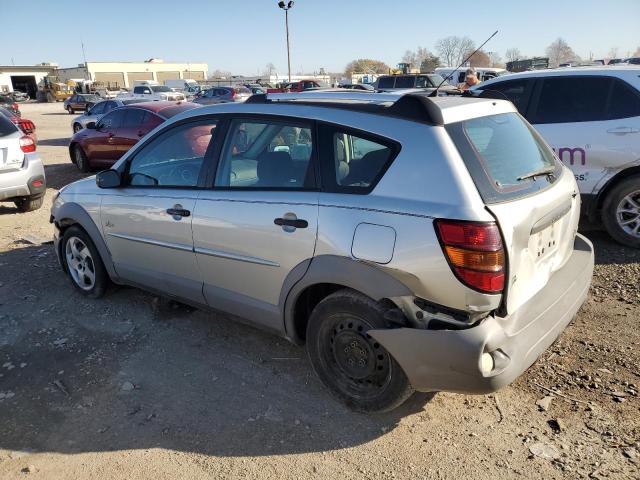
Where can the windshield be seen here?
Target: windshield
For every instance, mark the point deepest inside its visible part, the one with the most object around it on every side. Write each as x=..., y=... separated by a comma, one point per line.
x=499, y=150
x=160, y=88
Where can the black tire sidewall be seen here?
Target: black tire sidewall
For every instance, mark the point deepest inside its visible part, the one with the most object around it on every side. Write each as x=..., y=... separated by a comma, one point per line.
x=395, y=392
x=102, y=277
x=84, y=166
x=609, y=215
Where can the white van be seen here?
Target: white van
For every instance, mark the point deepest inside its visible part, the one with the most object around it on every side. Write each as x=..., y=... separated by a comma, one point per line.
x=454, y=77
x=591, y=118
x=187, y=86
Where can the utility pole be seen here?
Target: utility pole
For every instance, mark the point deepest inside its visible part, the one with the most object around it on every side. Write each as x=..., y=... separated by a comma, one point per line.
x=286, y=7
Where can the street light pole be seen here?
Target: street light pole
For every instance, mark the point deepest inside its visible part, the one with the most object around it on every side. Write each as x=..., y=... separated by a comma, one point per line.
x=286, y=8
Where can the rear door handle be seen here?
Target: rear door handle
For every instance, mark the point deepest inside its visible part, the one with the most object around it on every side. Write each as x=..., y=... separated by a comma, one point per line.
x=291, y=222
x=623, y=130
x=178, y=212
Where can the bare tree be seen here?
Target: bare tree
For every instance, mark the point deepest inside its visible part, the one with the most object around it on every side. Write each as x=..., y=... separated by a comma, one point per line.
x=220, y=74
x=560, y=52
x=496, y=59
x=613, y=52
x=637, y=52
x=452, y=49
x=421, y=58
x=513, y=54
x=478, y=59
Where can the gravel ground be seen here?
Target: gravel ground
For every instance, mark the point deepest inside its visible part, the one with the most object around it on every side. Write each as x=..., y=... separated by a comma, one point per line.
x=133, y=386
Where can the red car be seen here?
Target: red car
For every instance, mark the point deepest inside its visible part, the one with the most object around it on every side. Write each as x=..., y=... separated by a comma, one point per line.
x=101, y=144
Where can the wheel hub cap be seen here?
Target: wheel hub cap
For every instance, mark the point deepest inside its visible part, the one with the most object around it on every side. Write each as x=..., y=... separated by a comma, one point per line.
x=80, y=263
x=354, y=355
x=628, y=214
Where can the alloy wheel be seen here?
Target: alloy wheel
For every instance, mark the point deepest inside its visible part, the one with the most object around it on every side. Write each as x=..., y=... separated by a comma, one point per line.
x=80, y=263
x=628, y=214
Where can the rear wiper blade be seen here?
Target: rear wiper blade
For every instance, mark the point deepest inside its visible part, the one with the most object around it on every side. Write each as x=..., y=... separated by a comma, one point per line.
x=547, y=172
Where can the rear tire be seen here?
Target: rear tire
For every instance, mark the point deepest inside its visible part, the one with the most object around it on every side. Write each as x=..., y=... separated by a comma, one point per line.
x=621, y=212
x=355, y=368
x=29, y=204
x=82, y=262
x=80, y=159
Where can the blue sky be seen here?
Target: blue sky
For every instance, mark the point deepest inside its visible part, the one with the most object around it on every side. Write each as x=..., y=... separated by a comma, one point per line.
x=243, y=36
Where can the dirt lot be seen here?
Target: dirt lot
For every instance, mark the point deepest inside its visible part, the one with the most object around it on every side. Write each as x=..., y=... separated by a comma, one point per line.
x=133, y=386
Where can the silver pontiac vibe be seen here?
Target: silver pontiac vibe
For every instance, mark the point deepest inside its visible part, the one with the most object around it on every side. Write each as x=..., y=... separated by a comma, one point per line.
x=410, y=242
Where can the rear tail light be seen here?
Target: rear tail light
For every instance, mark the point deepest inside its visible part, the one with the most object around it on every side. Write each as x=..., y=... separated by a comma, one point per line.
x=27, y=145
x=474, y=252
x=14, y=106
x=26, y=126
x=233, y=93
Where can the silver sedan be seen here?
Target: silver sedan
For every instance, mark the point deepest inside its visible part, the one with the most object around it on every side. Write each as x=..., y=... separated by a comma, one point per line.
x=100, y=109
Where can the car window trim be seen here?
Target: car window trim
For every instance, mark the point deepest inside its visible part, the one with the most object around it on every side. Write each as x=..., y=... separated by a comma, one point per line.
x=328, y=171
x=266, y=118
x=206, y=161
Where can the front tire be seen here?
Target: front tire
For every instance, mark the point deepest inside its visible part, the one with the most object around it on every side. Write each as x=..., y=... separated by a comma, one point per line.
x=355, y=368
x=82, y=262
x=70, y=110
x=80, y=159
x=621, y=212
x=29, y=204
x=76, y=127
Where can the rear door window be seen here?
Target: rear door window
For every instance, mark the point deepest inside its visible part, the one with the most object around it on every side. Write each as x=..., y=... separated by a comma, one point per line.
x=111, y=120
x=500, y=151
x=386, y=82
x=405, y=82
x=353, y=162
x=572, y=99
x=134, y=117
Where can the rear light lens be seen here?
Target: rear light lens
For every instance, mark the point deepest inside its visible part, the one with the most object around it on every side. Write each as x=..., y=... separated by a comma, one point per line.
x=27, y=145
x=475, y=253
x=26, y=126
x=14, y=106
x=233, y=93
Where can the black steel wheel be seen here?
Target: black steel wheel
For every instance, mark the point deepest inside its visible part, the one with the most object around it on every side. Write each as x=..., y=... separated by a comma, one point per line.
x=356, y=368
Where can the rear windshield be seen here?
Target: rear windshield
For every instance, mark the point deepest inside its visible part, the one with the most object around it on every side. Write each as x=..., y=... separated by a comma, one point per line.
x=242, y=90
x=160, y=88
x=6, y=127
x=501, y=152
x=386, y=82
x=136, y=100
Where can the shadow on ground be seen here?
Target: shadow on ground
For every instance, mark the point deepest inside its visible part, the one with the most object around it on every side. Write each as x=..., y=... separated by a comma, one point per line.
x=131, y=371
x=54, y=142
x=608, y=251
x=60, y=174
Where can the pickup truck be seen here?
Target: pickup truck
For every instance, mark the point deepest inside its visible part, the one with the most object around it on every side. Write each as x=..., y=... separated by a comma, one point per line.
x=156, y=92
x=292, y=87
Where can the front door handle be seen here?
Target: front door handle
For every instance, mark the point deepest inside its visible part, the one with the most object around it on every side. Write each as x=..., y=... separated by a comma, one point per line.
x=178, y=211
x=291, y=222
x=623, y=130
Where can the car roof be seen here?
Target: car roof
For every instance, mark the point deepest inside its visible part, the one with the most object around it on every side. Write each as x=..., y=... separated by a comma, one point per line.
x=163, y=108
x=629, y=73
x=409, y=104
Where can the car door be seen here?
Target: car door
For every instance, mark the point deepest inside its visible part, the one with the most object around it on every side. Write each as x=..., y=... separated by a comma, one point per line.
x=573, y=115
x=147, y=223
x=256, y=230
x=99, y=144
x=136, y=124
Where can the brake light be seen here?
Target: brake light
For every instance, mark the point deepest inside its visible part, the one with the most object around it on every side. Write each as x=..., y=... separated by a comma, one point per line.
x=475, y=253
x=233, y=93
x=26, y=126
x=27, y=145
x=14, y=106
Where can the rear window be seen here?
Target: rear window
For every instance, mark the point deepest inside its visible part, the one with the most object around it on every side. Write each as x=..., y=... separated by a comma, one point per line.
x=499, y=151
x=405, y=82
x=176, y=109
x=6, y=127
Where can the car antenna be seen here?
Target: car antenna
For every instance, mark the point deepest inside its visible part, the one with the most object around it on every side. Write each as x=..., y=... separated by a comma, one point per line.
x=444, y=80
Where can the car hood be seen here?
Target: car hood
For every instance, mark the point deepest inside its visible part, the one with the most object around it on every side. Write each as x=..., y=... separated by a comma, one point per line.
x=84, y=185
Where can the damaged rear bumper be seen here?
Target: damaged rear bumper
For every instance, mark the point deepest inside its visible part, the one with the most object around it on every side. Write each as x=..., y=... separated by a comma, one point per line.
x=495, y=352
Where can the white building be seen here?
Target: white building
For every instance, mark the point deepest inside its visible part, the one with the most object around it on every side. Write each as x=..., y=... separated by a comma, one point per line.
x=124, y=74
x=24, y=77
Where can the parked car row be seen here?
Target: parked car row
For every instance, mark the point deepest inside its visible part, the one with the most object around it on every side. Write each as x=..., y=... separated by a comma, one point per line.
x=25, y=125
x=100, y=109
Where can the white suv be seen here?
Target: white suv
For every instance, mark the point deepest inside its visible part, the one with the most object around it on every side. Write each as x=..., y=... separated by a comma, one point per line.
x=591, y=118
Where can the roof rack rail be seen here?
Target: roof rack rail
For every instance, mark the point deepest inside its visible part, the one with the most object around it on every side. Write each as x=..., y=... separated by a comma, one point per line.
x=417, y=107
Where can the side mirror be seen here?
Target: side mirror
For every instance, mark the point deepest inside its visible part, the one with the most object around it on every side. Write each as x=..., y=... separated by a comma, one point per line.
x=108, y=179
x=91, y=125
